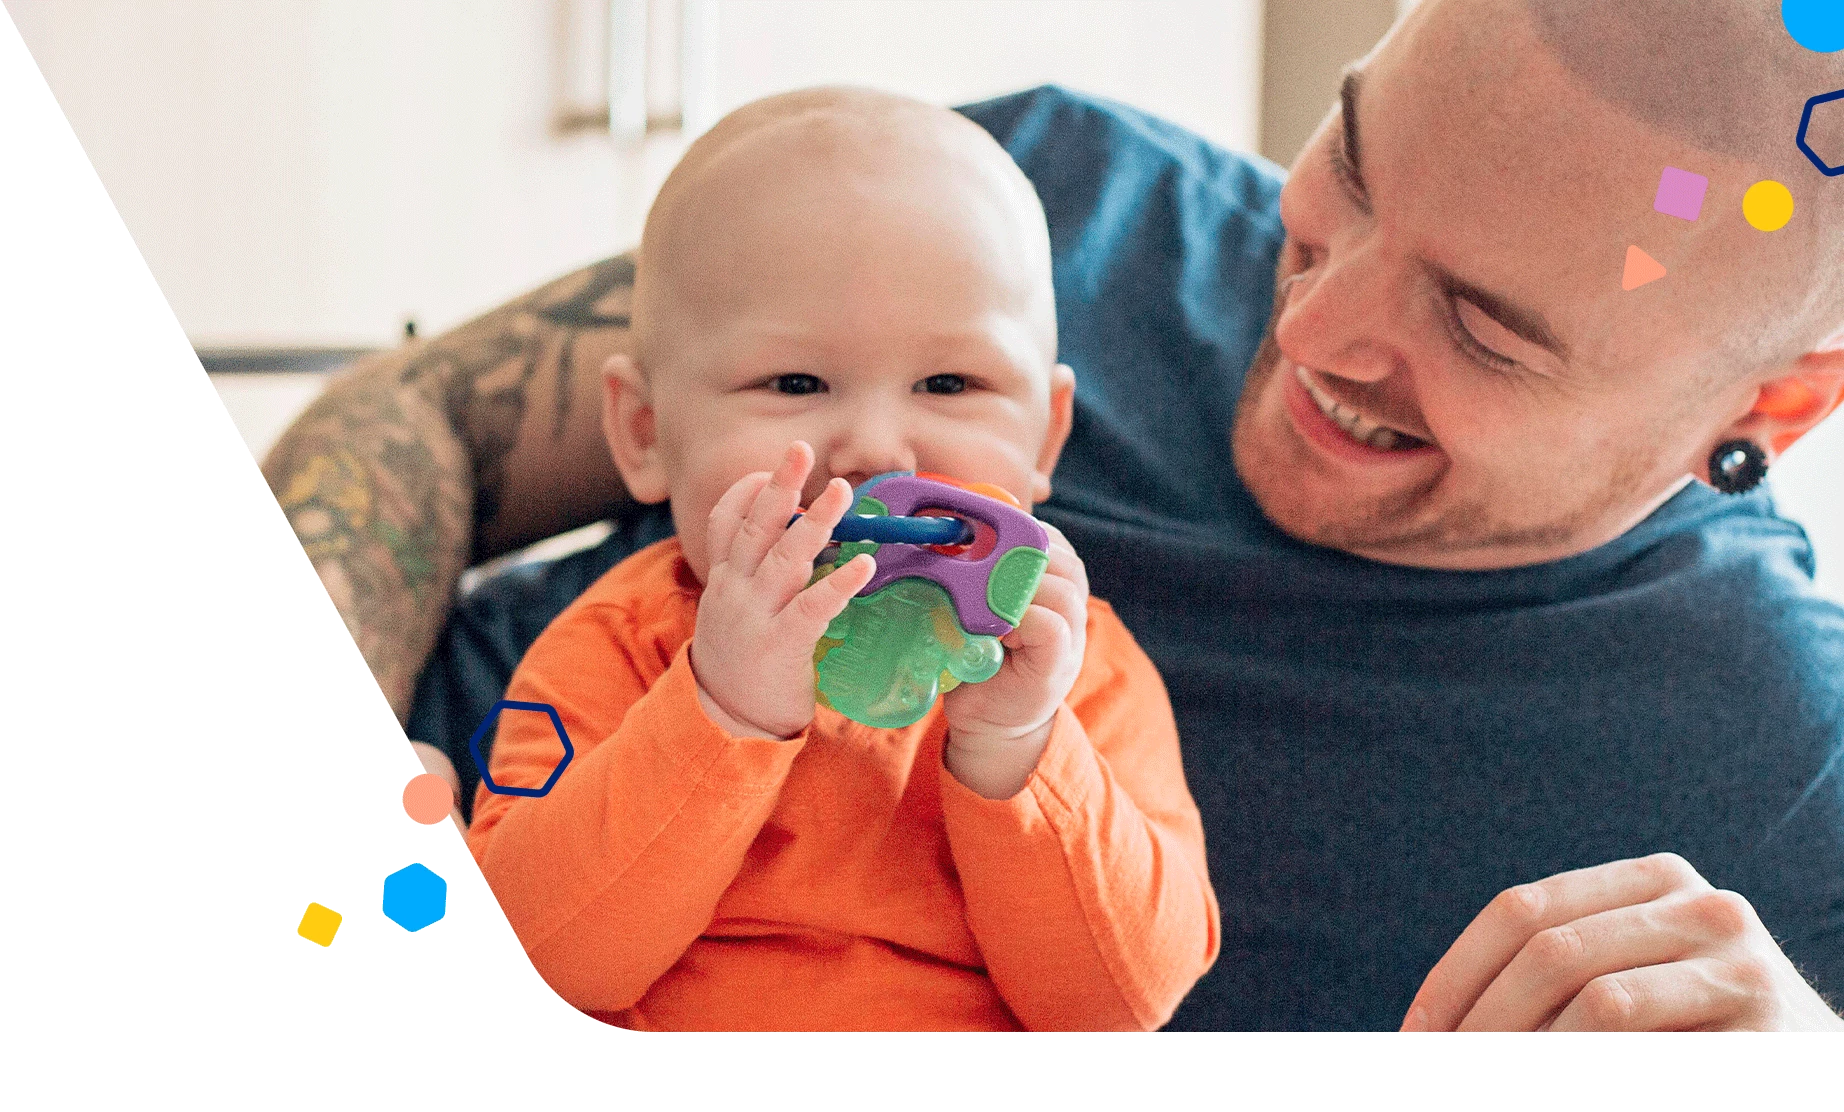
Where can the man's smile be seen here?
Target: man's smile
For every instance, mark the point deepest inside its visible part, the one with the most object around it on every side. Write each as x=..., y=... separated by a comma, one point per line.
x=1345, y=432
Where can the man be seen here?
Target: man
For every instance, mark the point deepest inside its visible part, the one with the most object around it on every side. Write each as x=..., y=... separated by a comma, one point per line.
x=1446, y=612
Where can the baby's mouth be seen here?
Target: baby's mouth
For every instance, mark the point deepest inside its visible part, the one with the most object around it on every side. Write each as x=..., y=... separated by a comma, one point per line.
x=1364, y=430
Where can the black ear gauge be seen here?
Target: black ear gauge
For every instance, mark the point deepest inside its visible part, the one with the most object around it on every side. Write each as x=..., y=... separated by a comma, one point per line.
x=1737, y=466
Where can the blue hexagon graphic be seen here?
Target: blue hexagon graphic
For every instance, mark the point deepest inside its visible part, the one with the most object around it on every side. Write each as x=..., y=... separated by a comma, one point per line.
x=414, y=897
x=480, y=762
x=1805, y=125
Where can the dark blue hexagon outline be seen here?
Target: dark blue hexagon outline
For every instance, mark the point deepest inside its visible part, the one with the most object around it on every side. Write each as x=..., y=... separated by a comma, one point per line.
x=1805, y=124
x=473, y=748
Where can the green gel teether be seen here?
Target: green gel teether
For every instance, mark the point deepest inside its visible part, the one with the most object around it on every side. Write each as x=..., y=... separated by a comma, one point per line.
x=887, y=656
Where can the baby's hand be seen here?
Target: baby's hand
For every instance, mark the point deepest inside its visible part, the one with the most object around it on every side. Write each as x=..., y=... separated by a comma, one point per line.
x=758, y=621
x=998, y=729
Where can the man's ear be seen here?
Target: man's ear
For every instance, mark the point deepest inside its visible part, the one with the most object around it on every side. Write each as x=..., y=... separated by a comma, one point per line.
x=1062, y=415
x=1788, y=407
x=627, y=421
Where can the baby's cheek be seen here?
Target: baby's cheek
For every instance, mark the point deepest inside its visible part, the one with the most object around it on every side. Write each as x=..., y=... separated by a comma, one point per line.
x=691, y=519
x=692, y=542
x=987, y=461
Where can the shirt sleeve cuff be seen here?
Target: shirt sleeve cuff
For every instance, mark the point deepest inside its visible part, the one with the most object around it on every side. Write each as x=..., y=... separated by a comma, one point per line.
x=1067, y=772
x=706, y=751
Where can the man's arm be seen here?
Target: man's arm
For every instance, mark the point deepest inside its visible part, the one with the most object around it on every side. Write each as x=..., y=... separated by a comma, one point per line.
x=418, y=462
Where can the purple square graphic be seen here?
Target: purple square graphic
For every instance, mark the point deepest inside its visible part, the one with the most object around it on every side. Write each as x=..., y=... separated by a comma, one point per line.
x=1680, y=193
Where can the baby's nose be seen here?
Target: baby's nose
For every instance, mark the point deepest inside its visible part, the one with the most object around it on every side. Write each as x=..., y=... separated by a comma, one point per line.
x=868, y=439
x=857, y=478
x=856, y=465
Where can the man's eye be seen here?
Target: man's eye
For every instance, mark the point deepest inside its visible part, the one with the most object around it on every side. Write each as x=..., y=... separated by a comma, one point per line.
x=1457, y=323
x=942, y=384
x=797, y=384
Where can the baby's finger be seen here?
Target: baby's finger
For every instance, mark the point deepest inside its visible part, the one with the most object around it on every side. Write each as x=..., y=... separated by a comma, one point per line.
x=727, y=514
x=1040, y=630
x=1063, y=558
x=814, y=608
x=1068, y=599
x=789, y=564
x=768, y=515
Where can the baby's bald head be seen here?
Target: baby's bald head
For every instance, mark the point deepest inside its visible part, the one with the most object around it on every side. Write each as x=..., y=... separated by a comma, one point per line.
x=858, y=272
x=841, y=168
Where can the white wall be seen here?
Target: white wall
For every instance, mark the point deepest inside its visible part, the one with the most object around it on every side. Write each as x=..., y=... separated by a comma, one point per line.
x=1809, y=484
x=1196, y=62
x=1306, y=46
x=313, y=172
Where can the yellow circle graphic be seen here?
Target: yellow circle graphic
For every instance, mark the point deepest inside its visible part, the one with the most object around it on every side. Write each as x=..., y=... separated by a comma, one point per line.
x=1768, y=205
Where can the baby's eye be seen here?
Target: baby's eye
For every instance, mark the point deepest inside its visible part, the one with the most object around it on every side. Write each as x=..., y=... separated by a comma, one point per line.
x=941, y=384
x=797, y=384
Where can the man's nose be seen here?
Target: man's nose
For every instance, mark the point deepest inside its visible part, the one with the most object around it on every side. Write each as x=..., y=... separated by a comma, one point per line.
x=1341, y=316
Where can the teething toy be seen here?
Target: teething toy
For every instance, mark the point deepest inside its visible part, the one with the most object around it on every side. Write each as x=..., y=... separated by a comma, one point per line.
x=931, y=617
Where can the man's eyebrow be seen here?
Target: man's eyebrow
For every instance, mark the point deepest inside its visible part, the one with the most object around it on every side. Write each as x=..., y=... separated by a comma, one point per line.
x=1525, y=323
x=1348, y=158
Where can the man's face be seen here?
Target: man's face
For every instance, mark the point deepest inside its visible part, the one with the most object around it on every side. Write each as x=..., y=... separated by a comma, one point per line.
x=1454, y=376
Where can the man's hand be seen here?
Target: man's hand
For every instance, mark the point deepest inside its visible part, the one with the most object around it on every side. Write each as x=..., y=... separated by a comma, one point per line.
x=998, y=729
x=1639, y=945
x=758, y=621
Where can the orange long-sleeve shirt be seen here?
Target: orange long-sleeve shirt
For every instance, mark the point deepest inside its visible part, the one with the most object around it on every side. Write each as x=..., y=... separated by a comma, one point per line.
x=680, y=877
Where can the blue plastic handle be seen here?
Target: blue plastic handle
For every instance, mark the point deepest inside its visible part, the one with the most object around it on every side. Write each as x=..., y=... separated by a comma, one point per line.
x=901, y=530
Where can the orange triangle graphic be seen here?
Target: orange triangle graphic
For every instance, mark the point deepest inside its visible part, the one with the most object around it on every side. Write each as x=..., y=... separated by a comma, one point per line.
x=1640, y=269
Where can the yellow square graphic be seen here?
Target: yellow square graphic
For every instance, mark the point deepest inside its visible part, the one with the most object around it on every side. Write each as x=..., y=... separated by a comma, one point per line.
x=319, y=924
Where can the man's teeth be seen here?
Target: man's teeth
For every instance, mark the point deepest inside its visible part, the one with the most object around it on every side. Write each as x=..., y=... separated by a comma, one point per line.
x=1361, y=428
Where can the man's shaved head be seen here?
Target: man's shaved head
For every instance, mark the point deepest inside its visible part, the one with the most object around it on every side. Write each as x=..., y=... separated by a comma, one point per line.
x=828, y=153
x=1727, y=78
x=1722, y=74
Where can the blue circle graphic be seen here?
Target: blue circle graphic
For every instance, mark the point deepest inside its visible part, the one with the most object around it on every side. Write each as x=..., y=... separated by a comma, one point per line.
x=1815, y=24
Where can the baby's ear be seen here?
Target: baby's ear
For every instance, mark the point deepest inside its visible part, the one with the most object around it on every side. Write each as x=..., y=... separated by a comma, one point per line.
x=1062, y=415
x=627, y=421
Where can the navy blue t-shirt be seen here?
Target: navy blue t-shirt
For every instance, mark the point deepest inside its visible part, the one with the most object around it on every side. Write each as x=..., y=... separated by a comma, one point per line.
x=1376, y=750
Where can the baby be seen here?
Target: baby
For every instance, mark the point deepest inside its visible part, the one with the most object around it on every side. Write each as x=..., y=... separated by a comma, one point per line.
x=834, y=284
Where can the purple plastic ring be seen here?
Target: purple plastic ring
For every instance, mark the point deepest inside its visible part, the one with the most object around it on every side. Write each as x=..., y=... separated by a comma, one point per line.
x=965, y=579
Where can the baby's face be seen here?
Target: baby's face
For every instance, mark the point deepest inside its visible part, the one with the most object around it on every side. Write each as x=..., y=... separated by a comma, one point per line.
x=887, y=330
